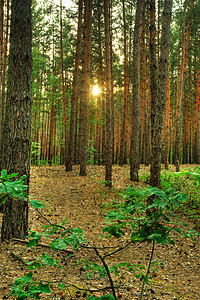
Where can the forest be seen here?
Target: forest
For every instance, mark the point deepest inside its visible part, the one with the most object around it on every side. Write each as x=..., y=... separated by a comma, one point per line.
x=99, y=149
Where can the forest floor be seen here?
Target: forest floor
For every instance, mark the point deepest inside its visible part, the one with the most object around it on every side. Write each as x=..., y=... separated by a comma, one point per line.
x=83, y=202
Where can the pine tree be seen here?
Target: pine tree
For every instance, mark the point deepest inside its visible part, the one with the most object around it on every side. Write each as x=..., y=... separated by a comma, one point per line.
x=17, y=124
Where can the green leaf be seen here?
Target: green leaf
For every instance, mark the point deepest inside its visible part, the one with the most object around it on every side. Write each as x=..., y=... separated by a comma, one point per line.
x=114, y=215
x=35, y=238
x=58, y=244
x=158, y=192
x=32, y=265
x=48, y=260
x=2, y=189
x=76, y=238
x=61, y=286
x=114, y=230
x=42, y=288
x=24, y=280
x=3, y=174
x=36, y=204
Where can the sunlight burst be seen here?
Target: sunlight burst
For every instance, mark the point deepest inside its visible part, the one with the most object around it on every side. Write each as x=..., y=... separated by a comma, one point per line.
x=96, y=90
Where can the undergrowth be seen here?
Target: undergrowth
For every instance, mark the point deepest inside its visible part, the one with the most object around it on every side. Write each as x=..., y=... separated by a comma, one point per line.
x=142, y=216
x=186, y=181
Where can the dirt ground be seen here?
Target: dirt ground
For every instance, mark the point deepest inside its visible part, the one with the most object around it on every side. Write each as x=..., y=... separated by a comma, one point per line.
x=83, y=202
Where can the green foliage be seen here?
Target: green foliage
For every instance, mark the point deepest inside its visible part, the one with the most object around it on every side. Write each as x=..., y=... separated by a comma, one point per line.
x=46, y=260
x=36, y=204
x=132, y=215
x=11, y=188
x=26, y=287
x=147, y=215
x=75, y=240
x=186, y=181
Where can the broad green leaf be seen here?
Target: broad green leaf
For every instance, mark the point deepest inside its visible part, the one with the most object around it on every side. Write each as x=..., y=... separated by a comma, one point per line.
x=48, y=260
x=36, y=204
x=158, y=192
x=58, y=244
x=41, y=288
x=2, y=189
x=115, y=215
x=24, y=280
x=32, y=265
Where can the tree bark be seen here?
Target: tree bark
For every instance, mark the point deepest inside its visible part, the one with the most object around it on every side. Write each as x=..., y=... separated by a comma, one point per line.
x=159, y=99
x=181, y=82
x=17, y=124
x=125, y=104
x=1, y=71
x=135, y=137
x=108, y=137
x=85, y=86
x=75, y=88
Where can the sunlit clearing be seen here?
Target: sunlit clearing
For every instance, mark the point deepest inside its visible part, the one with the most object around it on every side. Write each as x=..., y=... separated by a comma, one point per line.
x=96, y=90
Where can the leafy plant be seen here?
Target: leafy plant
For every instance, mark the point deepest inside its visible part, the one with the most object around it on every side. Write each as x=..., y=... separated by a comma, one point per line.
x=128, y=217
x=11, y=188
x=26, y=287
x=187, y=181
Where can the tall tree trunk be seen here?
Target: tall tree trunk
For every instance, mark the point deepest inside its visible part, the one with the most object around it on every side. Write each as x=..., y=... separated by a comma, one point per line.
x=166, y=130
x=17, y=124
x=181, y=83
x=108, y=137
x=112, y=85
x=147, y=139
x=125, y=104
x=51, y=135
x=100, y=134
x=75, y=88
x=158, y=102
x=63, y=80
x=198, y=112
x=1, y=71
x=85, y=86
x=143, y=100
x=135, y=137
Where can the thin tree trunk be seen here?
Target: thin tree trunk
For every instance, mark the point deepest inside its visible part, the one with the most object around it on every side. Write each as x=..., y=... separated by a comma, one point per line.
x=63, y=80
x=135, y=138
x=51, y=135
x=125, y=104
x=181, y=82
x=1, y=72
x=108, y=144
x=85, y=86
x=166, y=129
x=101, y=126
x=74, y=99
x=143, y=100
x=198, y=112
